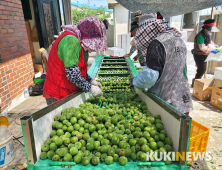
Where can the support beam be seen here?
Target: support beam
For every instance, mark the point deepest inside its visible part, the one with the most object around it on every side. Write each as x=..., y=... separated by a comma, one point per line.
x=212, y=13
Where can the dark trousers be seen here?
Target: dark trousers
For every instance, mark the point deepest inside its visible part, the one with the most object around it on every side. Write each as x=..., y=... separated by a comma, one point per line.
x=201, y=65
x=143, y=64
x=50, y=101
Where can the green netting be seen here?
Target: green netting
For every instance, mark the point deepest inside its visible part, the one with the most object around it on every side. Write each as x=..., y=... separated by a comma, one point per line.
x=111, y=75
x=44, y=164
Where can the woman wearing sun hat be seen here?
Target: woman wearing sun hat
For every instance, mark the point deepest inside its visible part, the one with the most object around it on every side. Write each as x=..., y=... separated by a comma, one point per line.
x=201, y=47
x=68, y=57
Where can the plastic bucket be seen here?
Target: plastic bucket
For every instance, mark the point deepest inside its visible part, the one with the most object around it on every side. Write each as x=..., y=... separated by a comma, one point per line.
x=6, y=146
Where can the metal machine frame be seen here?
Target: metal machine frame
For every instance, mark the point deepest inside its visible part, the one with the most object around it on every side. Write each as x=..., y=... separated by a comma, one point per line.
x=34, y=133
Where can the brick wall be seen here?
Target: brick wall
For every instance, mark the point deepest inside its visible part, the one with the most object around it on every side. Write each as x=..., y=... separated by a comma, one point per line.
x=16, y=67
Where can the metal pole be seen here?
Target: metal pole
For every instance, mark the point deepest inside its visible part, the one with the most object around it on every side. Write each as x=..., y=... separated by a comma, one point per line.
x=212, y=13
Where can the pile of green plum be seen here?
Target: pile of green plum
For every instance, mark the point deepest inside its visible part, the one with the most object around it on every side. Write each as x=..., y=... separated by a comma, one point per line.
x=114, y=71
x=118, y=132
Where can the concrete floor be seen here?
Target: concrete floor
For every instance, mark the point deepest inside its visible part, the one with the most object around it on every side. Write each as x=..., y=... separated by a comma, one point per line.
x=203, y=112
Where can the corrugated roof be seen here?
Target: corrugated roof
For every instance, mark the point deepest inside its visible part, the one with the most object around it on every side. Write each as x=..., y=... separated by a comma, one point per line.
x=93, y=7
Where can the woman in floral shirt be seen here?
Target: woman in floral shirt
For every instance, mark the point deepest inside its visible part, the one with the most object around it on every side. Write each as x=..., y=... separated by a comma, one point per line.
x=67, y=63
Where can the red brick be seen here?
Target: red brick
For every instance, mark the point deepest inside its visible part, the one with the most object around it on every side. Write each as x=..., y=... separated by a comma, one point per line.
x=10, y=22
x=4, y=83
x=17, y=51
x=8, y=8
x=3, y=3
x=2, y=7
x=12, y=88
x=17, y=6
x=4, y=55
x=3, y=98
x=10, y=17
x=4, y=40
x=14, y=48
x=14, y=82
x=16, y=77
x=12, y=26
x=16, y=17
x=12, y=74
x=7, y=49
x=2, y=36
x=14, y=96
x=5, y=64
x=5, y=26
x=11, y=66
x=3, y=31
x=14, y=9
x=3, y=45
x=3, y=17
x=11, y=53
x=10, y=30
x=2, y=21
x=12, y=39
x=6, y=59
x=10, y=80
x=12, y=44
x=6, y=12
x=11, y=4
x=4, y=106
x=18, y=2
x=19, y=84
x=4, y=94
x=16, y=56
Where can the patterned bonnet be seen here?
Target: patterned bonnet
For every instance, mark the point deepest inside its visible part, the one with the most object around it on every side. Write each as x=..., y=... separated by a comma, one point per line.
x=91, y=32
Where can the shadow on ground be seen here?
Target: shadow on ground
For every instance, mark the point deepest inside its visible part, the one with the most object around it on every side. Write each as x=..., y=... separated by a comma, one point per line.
x=207, y=106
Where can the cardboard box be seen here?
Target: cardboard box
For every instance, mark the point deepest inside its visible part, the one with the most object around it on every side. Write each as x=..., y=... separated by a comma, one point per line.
x=202, y=89
x=216, y=98
x=38, y=68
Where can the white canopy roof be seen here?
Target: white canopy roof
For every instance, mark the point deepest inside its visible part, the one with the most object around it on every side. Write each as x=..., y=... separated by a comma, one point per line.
x=168, y=8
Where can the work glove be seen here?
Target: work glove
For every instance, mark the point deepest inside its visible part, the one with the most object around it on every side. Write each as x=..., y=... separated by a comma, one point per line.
x=215, y=51
x=96, y=83
x=217, y=46
x=96, y=91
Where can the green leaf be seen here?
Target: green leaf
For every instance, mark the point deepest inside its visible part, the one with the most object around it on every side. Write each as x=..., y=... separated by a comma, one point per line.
x=214, y=148
x=84, y=11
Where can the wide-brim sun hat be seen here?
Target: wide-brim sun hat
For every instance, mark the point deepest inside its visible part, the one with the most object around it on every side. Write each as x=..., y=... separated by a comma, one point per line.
x=91, y=32
x=137, y=14
x=211, y=27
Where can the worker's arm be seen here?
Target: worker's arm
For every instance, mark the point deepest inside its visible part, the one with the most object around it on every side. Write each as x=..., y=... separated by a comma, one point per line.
x=132, y=50
x=202, y=46
x=69, y=51
x=215, y=45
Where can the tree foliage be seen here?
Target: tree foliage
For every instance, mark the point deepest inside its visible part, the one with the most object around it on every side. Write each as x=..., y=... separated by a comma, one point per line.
x=84, y=11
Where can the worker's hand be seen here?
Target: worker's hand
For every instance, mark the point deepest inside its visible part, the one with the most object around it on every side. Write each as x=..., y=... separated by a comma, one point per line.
x=96, y=91
x=126, y=55
x=96, y=83
x=135, y=58
x=215, y=51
